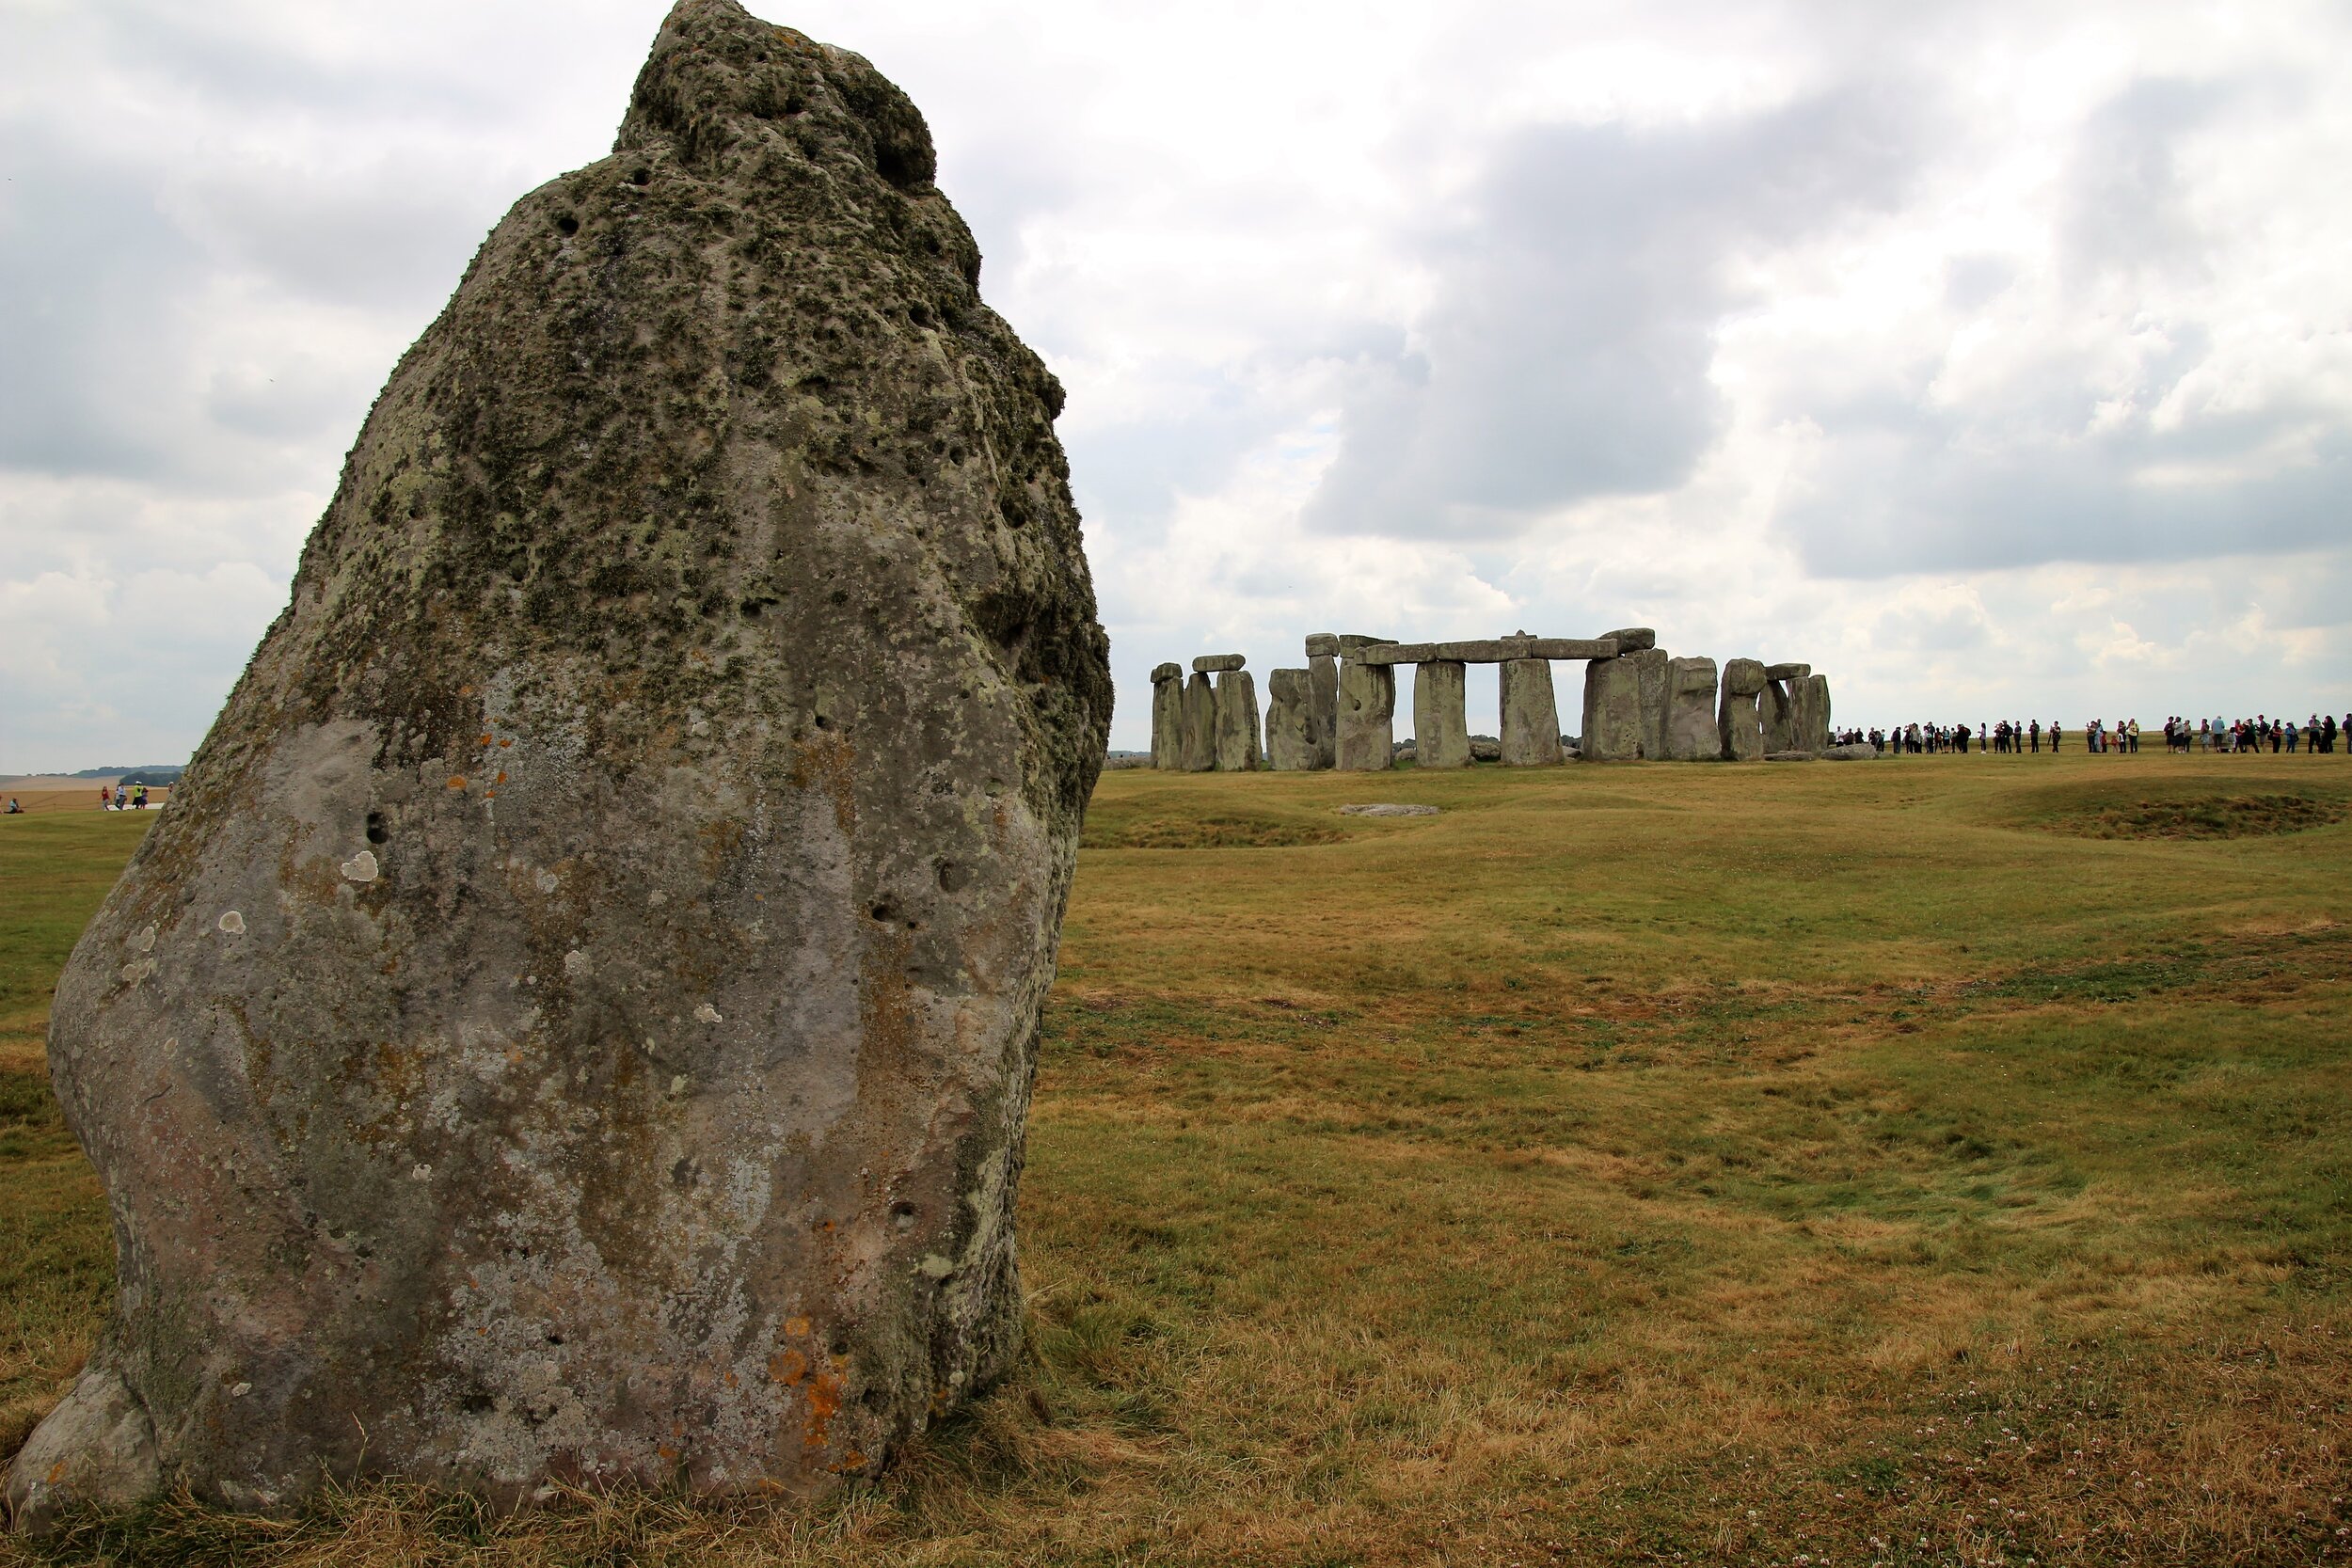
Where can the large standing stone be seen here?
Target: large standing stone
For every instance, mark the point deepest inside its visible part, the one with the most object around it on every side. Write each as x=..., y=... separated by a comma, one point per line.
x=1739, y=728
x=1440, y=715
x=577, y=1019
x=1809, y=720
x=1290, y=740
x=1323, y=676
x=1168, y=716
x=1650, y=665
x=1776, y=714
x=1236, y=723
x=1199, y=725
x=1613, y=711
x=1531, y=714
x=1367, y=700
x=1690, y=735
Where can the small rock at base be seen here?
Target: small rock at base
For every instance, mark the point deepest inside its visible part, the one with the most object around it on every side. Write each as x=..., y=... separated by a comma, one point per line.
x=1859, y=751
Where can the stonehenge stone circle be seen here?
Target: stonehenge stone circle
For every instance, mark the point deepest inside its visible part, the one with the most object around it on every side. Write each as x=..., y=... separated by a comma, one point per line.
x=1737, y=726
x=1440, y=715
x=577, y=1020
x=1690, y=731
x=1218, y=664
x=1290, y=738
x=1531, y=714
x=1367, y=700
x=1168, y=716
x=1199, y=753
x=1236, y=723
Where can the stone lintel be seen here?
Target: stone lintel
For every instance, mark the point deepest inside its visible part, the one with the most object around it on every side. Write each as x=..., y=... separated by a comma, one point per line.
x=1632, y=639
x=1167, y=673
x=1350, y=642
x=1320, y=643
x=1787, y=672
x=1396, y=653
x=1216, y=664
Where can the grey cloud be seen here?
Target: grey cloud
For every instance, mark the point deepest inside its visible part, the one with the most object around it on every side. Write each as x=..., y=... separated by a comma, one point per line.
x=1568, y=351
x=2125, y=205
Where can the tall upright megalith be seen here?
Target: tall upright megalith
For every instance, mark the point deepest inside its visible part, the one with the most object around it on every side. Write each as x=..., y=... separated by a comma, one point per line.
x=1323, y=675
x=1200, y=748
x=577, y=1019
x=1531, y=714
x=1367, y=716
x=1689, y=733
x=1809, y=719
x=1440, y=714
x=1236, y=723
x=1289, y=741
x=1777, y=707
x=1737, y=726
x=1168, y=716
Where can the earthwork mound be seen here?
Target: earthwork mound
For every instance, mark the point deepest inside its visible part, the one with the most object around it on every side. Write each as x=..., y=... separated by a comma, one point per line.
x=2107, y=812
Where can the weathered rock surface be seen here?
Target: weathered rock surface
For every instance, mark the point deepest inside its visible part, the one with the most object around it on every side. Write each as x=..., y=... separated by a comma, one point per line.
x=1632, y=640
x=1773, y=712
x=1787, y=672
x=1808, y=699
x=577, y=1019
x=1290, y=738
x=1485, y=748
x=1440, y=715
x=1168, y=716
x=1367, y=704
x=1531, y=714
x=1857, y=750
x=1690, y=731
x=1218, y=664
x=1236, y=723
x=1323, y=692
x=1320, y=643
x=1200, y=750
x=1397, y=653
x=1739, y=727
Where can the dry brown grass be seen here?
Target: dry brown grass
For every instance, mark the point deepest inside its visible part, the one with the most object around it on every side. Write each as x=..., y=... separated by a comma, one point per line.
x=1630, y=1164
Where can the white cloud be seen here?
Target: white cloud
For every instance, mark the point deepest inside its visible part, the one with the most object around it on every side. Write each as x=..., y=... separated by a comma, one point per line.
x=1985, y=355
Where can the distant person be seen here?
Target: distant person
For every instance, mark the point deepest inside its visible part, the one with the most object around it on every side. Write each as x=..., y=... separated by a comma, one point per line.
x=2033, y=737
x=15, y=808
x=105, y=797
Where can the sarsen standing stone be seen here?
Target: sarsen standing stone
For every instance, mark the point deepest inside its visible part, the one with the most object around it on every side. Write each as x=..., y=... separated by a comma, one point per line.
x=577, y=1017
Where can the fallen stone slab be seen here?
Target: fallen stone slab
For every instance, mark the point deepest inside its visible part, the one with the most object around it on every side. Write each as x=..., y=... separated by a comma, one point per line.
x=1218, y=664
x=1857, y=750
x=1388, y=809
x=1793, y=757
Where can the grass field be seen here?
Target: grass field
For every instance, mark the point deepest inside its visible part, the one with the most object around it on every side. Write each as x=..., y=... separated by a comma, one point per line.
x=1942, y=1160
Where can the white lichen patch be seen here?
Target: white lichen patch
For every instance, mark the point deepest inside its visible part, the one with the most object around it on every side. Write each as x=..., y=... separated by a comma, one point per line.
x=145, y=940
x=232, y=923
x=362, y=866
x=576, y=964
x=708, y=1013
x=934, y=1266
x=546, y=882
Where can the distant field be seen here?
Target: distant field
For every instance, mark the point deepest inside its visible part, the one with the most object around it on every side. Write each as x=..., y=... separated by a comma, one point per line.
x=1940, y=1159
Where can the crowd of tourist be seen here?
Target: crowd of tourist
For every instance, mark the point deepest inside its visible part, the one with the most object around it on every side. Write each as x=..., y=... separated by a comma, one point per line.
x=2261, y=732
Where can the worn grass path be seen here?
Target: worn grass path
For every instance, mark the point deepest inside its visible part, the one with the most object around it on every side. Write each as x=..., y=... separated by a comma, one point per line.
x=1945, y=1159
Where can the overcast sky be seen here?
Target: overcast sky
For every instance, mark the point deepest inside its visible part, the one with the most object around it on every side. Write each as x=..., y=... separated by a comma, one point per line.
x=1997, y=359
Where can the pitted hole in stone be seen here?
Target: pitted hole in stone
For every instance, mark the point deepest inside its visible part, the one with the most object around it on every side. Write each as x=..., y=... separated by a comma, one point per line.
x=362, y=868
x=887, y=911
x=641, y=177
x=232, y=923
x=953, y=877
x=823, y=722
x=378, y=831
x=568, y=224
x=902, y=1214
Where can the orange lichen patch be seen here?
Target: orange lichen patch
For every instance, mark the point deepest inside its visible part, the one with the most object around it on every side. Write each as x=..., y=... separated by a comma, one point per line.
x=485, y=740
x=796, y=1325
x=788, y=1366
x=666, y=1452
x=501, y=778
x=824, y=1403
x=508, y=740
x=457, y=781
x=854, y=1459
